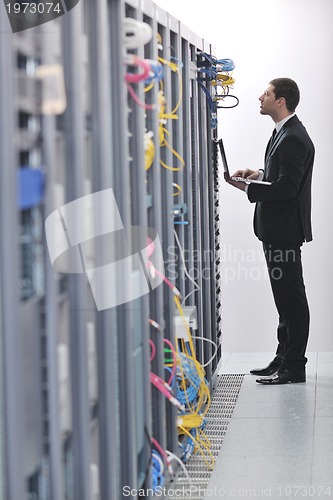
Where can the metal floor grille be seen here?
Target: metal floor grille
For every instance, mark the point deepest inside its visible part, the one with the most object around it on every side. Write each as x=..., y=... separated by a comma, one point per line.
x=222, y=406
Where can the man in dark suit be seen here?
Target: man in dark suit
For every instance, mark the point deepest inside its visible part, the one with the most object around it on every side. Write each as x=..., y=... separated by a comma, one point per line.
x=282, y=221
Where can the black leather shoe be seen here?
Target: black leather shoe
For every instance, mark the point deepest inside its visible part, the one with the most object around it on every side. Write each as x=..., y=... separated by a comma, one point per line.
x=283, y=377
x=269, y=370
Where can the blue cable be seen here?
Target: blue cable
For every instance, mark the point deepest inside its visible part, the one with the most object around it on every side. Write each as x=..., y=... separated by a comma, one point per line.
x=188, y=446
x=158, y=72
x=157, y=475
x=210, y=72
x=227, y=64
x=173, y=381
x=212, y=107
x=190, y=395
x=208, y=58
x=177, y=61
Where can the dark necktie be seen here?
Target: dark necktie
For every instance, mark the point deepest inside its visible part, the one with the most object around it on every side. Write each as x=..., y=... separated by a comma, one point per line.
x=270, y=142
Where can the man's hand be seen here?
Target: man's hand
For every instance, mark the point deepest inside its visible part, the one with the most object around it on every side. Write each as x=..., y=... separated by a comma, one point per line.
x=247, y=173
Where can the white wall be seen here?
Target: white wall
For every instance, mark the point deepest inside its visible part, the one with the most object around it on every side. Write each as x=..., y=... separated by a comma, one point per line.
x=268, y=39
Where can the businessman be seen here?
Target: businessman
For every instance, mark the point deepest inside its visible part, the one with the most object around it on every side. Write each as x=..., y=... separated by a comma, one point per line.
x=282, y=221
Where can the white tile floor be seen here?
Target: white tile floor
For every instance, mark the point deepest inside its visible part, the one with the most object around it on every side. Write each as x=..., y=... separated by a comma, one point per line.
x=279, y=442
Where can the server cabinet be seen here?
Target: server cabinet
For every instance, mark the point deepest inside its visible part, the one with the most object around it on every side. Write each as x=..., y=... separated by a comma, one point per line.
x=109, y=266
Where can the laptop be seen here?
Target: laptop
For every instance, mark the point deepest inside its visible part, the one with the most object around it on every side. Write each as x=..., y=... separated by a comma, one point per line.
x=226, y=174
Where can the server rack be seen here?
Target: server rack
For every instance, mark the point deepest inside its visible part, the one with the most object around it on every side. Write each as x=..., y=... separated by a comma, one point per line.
x=10, y=345
x=80, y=412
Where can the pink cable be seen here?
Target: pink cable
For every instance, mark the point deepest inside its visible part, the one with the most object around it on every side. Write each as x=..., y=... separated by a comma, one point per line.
x=158, y=383
x=168, y=282
x=150, y=250
x=166, y=390
x=138, y=77
x=173, y=351
x=153, y=350
x=154, y=323
x=137, y=100
x=165, y=279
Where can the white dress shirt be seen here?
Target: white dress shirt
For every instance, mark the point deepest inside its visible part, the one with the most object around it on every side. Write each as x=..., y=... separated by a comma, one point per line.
x=278, y=127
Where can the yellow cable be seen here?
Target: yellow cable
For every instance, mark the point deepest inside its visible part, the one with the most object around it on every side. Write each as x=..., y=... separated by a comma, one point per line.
x=175, y=68
x=190, y=421
x=169, y=116
x=163, y=132
x=149, y=87
x=200, y=448
x=204, y=441
x=226, y=79
x=178, y=188
x=149, y=154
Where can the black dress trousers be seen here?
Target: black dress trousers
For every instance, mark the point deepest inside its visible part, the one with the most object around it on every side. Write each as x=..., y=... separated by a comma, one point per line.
x=286, y=276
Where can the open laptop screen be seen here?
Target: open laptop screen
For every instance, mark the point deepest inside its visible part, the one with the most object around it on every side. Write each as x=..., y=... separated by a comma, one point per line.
x=224, y=160
x=226, y=172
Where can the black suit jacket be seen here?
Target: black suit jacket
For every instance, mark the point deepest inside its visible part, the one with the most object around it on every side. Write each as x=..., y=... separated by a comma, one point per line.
x=283, y=209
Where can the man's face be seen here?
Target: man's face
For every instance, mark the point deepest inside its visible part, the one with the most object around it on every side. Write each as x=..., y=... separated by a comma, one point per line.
x=268, y=102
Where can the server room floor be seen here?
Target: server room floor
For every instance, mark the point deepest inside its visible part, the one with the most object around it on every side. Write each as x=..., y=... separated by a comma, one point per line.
x=279, y=440
x=269, y=442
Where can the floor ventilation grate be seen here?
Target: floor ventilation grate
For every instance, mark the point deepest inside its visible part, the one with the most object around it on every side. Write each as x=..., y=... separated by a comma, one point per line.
x=222, y=406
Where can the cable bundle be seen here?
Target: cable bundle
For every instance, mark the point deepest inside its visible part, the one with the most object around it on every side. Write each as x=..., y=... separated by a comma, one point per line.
x=152, y=72
x=218, y=73
x=189, y=377
x=192, y=391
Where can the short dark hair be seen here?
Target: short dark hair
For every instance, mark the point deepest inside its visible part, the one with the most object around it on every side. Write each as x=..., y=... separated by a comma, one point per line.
x=287, y=88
